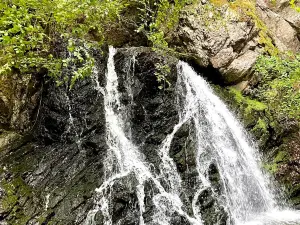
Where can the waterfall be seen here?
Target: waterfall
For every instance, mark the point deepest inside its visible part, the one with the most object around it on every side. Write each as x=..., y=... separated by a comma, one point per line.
x=220, y=140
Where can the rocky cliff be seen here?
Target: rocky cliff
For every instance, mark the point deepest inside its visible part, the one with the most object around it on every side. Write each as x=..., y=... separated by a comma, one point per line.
x=52, y=139
x=224, y=43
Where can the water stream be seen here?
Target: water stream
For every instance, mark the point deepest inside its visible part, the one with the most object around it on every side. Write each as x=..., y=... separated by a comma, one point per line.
x=247, y=195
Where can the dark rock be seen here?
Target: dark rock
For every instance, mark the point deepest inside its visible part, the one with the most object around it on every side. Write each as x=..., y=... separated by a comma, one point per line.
x=53, y=175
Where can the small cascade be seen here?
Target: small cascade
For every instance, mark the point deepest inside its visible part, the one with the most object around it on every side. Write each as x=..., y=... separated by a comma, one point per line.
x=220, y=140
x=123, y=159
x=71, y=126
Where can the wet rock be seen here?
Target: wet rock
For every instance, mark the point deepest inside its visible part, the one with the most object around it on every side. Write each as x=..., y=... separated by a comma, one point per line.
x=52, y=175
x=19, y=101
x=125, y=209
x=212, y=213
x=152, y=110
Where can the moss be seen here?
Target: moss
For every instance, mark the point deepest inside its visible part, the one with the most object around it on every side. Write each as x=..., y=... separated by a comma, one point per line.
x=16, y=192
x=293, y=4
x=10, y=199
x=250, y=109
x=271, y=167
x=250, y=103
x=281, y=157
x=261, y=124
x=261, y=132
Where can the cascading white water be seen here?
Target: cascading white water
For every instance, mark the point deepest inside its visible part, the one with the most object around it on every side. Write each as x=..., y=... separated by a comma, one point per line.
x=123, y=158
x=220, y=140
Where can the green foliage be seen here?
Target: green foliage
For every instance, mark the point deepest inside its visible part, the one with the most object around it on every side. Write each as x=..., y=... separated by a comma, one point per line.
x=30, y=29
x=294, y=6
x=249, y=104
x=280, y=157
x=161, y=73
x=280, y=84
x=252, y=112
x=271, y=167
x=159, y=18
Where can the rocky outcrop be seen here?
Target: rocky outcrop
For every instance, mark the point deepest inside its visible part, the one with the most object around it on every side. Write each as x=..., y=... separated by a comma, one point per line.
x=230, y=38
x=52, y=139
x=51, y=176
x=19, y=107
x=153, y=115
x=52, y=173
x=282, y=24
x=278, y=139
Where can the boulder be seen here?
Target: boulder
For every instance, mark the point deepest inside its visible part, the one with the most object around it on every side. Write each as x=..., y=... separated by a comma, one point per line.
x=229, y=40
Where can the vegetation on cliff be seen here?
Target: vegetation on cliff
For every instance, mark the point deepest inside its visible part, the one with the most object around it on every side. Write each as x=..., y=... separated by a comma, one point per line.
x=280, y=84
x=270, y=110
x=32, y=30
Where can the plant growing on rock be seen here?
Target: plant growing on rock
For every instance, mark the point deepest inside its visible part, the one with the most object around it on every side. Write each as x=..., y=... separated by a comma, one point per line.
x=294, y=5
x=30, y=31
x=280, y=84
x=246, y=10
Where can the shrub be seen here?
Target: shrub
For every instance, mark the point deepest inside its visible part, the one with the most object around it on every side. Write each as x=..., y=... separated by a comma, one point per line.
x=280, y=84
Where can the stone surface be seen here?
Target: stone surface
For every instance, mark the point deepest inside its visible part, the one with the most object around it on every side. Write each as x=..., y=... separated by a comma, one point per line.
x=240, y=68
x=283, y=33
x=52, y=139
x=19, y=101
x=52, y=174
x=229, y=42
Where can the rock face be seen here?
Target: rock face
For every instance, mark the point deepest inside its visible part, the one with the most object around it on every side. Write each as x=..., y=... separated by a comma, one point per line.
x=52, y=174
x=278, y=140
x=52, y=139
x=281, y=20
x=230, y=40
x=19, y=105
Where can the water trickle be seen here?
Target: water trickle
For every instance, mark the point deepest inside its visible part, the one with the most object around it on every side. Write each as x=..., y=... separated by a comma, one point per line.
x=220, y=140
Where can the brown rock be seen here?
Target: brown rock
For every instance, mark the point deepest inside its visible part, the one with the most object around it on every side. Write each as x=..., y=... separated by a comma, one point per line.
x=223, y=58
x=240, y=67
